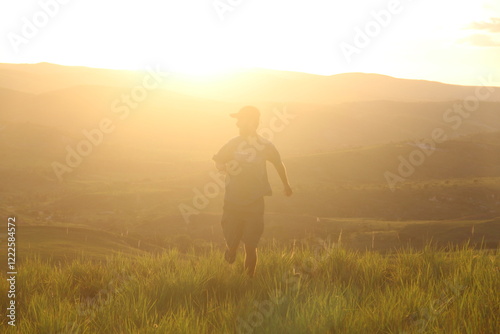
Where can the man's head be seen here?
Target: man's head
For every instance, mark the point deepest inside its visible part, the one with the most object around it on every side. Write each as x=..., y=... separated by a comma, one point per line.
x=248, y=120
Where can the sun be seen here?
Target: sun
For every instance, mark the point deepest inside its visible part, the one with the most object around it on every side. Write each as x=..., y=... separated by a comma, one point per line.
x=198, y=63
x=200, y=69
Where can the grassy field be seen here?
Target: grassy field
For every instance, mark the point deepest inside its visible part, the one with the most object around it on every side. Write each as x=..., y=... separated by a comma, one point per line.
x=318, y=288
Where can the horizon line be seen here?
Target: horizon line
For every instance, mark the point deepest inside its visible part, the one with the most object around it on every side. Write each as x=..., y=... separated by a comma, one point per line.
x=239, y=70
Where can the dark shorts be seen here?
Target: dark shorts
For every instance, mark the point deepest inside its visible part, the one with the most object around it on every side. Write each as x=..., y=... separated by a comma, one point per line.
x=243, y=223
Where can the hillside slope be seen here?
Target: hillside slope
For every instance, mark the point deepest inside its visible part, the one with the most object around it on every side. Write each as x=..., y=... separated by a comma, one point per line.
x=243, y=86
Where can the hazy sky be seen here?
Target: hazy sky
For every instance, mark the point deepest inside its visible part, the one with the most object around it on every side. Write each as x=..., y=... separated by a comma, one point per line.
x=445, y=40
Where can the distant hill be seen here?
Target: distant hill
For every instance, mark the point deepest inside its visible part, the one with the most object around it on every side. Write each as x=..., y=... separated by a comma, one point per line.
x=280, y=86
x=476, y=155
x=176, y=121
x=332, y=112
x=46, y=77
x=249, y=86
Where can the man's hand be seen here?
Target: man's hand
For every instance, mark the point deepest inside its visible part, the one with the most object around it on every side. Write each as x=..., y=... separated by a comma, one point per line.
x=220, y=167
x=280, y=168
x=288, y=190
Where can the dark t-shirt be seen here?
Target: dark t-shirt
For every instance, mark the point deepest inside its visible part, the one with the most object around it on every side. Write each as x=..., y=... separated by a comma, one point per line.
x=246, y=177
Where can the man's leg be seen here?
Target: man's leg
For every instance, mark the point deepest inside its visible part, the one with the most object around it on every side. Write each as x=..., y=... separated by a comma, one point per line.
x=254, y=228
x=250, y=260
x=232, y=229
x=230, y=254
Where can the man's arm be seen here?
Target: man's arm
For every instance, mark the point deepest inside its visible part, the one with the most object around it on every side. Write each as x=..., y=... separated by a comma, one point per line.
x=222, y=158
x=281, y=169
x=221, y=167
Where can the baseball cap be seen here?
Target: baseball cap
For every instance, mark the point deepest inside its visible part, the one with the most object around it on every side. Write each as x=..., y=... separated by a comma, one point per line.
x=247, y=112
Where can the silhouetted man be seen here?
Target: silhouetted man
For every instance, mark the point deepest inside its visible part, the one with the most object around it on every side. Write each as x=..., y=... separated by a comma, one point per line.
x=243, y=159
